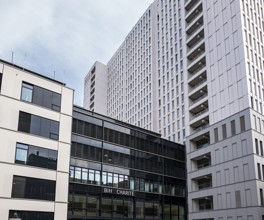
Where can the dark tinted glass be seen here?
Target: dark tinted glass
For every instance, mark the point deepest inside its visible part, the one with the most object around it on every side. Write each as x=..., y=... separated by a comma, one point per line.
x=47, y=98
x=29, y=215
x=38, y=125
x=37, y=156
x=32, y=188
x=42, y=97
x=37, y=95
x=24, y=122
x=35, y=125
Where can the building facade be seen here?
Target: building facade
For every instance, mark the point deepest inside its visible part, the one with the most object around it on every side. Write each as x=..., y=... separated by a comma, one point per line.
x=192, y=71
x=35, y=131
x=61, y=161
x=119, y=171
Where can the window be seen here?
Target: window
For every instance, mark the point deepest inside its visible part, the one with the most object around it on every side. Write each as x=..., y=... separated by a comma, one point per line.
x=40, y=96
x=37, y=125
x=205, y=204
x=36, y=156
x=233, y=127
x=256, y=146
x=259, y=171
x=224, y=131
x=32, y=188
x=216, y=134
x=0, y=81
x=242, y=123
x=261, y=197
x=30, y=215
x=261, y=148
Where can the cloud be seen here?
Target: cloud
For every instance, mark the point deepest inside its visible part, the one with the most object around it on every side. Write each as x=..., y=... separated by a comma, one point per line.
x=65, y=36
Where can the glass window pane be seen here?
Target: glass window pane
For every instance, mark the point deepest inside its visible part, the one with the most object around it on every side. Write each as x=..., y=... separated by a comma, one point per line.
x=92, y=206
x=38, y=95
x=35, y=125
x=79, y=205
x=106, y=207
x=91, y=176
x=21, y=156
x=56, y=101
x=47, y=98
x=139, y=210
x=27, y=92
x=117, y=208
x=84, y=175
x=77, y=173
x=97, y=177
x=24, y=122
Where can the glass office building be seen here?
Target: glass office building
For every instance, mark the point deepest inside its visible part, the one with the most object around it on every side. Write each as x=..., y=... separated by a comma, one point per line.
x=119, y=171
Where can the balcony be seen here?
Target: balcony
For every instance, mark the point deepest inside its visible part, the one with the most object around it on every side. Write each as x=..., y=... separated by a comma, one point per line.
x=194, y=116
x=92, y=91
x=200, y=122
x=92, y=98
x=202, y=182
x=193, y=13
x=195, y=55
x=203, y=161
x=189, y=4
x=195, y=82
x=196, y=67
x=198, y=92
x=200, y=141
x=205, y=203
x=196, y=49
x=195, y=38
x=194, y=25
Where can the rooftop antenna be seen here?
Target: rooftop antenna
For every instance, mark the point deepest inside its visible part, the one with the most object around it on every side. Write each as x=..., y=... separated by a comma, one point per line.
x=54, y=73
x=24, y=62
x=12, y=57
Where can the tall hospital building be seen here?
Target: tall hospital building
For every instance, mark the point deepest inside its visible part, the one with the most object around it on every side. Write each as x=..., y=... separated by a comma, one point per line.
x=192, y=70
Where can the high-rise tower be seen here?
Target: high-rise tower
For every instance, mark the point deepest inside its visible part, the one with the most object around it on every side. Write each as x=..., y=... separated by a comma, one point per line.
x=193, y=71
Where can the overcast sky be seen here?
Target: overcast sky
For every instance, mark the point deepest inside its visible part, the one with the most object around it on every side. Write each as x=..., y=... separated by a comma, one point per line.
x=65, y=36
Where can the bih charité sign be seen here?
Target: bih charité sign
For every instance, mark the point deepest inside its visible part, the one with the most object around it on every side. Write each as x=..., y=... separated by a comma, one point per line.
x=114, y=191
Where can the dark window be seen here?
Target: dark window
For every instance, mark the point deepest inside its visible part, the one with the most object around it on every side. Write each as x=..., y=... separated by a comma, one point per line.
x=233, y=127
x=256, y=146
x=38, y=125
x=216, y=134
x=30, y=215
x=36, y=156
x=261, y=148
x=0, y=81
x=205, y=204
x=242, y=123
x=259, y=171
x=32, y=188
x=224, y=131
x=261, y=197
x=41, y=96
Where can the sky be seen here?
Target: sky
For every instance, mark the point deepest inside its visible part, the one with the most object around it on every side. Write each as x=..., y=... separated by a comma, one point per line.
x=62, y=39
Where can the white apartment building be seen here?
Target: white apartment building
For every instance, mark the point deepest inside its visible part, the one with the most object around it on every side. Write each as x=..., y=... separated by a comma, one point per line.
x=35, y=131
x=192, y=70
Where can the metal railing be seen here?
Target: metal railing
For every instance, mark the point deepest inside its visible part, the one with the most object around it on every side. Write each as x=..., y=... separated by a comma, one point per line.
x=200, y=113
x=197, y=85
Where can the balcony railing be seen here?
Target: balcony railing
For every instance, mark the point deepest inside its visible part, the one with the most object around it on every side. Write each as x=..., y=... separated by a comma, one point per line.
x=198, y=84
x=200, y=128
x=199, y=113
x=197, y=42
x=197, y=100
x=197, y=70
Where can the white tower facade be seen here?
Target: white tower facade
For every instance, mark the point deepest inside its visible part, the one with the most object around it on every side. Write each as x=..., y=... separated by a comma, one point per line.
x=193, y=71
